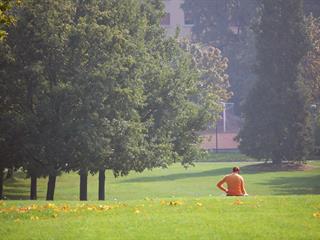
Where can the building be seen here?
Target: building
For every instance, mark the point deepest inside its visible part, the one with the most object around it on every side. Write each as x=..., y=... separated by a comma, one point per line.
x=175, y=18
x=221, y=138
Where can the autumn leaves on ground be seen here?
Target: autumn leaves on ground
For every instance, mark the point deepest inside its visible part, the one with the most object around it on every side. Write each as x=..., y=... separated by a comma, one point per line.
x=173, y=203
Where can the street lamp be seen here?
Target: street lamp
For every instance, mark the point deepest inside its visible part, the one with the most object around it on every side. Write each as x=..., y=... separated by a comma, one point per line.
x=225, y=107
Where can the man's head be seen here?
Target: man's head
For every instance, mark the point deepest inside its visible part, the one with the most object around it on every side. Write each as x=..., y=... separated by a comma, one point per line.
x=235, y=169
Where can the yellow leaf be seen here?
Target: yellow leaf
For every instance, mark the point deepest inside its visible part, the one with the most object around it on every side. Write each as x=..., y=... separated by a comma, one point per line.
x=238, y=202
x=33, y=207
x=175, y=203
x=316, y=214
x=22, y=210
x=50, y=205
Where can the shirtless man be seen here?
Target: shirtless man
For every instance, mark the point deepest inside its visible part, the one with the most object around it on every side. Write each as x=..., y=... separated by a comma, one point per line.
x=234, y=182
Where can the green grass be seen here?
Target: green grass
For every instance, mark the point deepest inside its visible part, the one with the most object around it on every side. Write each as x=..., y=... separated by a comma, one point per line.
x=281, y=205
x=176, y=181
x=262, y=217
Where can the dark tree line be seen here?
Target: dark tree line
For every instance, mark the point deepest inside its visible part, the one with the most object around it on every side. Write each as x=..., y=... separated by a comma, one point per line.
x=272, y=55
x=278, y=120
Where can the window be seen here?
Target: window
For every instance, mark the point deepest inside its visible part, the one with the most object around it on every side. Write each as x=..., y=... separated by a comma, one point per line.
x=188, y=20
x=166, y=19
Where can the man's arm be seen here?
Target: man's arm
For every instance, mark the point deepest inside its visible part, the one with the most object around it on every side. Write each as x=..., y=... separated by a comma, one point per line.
x=243, y=190
x=219, y=185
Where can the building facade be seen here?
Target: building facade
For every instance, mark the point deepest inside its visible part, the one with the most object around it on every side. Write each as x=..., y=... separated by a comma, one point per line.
x=175, y=18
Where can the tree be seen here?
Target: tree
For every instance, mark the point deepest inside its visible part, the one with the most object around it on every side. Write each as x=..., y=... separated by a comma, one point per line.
x=151, y=116
x=96, y=85
x=38, y=93
x=227, y=25
x=9, y=152
x=213, y=81
x=6, y=18
x=8, y=158
x=311, y=73
x=185, y=85
x=106, y=56
x=277, y=118
x=311, y=61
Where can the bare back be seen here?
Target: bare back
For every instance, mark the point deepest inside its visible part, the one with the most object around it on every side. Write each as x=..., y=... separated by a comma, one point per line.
x=235, y=184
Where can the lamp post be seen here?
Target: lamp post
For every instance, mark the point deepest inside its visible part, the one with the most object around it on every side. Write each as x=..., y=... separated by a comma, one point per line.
x=216, y=137
x=225, y=107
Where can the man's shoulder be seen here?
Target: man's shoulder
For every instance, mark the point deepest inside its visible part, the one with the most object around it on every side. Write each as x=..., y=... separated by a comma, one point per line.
x=227, y=176
x=240, y=176
x=233, y=176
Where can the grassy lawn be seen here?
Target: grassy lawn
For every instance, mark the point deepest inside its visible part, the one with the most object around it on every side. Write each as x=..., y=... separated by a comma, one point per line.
x=174, y=203
x=261, y=217
x=198, y=181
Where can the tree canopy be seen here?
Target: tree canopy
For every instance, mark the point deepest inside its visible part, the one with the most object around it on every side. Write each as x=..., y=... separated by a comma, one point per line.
x=95, y=85
x=277, y=112
x=227, y=25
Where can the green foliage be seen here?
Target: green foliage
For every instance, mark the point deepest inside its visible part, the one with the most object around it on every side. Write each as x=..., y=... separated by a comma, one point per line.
x=227, y=26
x=37, y=90
x=311, y=62
x=277, y=112
x=310, y=66
x=6, y=17
x=106, y=51
x=91, y=85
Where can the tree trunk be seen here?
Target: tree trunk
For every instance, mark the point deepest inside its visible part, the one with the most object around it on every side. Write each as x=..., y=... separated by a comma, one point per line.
x=33, y=187
x=275, y=161
x=9, y=173
x=51, y=187
x=102, y=179
x=1, y=183
x=83, y=185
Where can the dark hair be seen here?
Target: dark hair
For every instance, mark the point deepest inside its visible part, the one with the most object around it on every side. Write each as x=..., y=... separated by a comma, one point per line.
x=236, y=169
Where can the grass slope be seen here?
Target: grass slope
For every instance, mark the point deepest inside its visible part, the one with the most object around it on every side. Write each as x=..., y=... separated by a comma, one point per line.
x=198, y=181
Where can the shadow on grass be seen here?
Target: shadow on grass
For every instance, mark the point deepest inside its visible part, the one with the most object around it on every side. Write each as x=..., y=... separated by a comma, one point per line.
x=18, y=192
x=295, y=185
x=15, y=189
x=248, y=169
x=171, y=177
x=16, y=197
x=268, y=167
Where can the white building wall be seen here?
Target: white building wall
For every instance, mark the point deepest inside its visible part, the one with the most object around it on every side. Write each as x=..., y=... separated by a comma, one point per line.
x=176, y=19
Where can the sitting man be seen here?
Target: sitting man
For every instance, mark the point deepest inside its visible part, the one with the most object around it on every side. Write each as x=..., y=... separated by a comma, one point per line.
x=234, y=182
